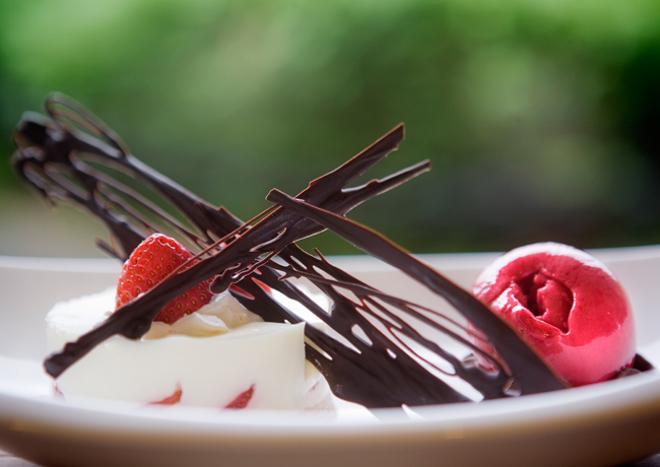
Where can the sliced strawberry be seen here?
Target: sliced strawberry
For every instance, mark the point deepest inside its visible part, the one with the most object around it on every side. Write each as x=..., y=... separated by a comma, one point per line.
x=151, y=262
x=172, y=399
x=242, y=400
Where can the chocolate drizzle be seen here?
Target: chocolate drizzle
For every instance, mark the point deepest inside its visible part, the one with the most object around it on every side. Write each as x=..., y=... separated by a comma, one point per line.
x=381, y=358
x=518, y=356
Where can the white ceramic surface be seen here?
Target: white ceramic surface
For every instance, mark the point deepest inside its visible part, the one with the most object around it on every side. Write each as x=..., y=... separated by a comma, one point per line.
x=606, y=423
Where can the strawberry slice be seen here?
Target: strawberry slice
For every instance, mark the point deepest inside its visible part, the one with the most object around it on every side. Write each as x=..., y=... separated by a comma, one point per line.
x=151, y=262
x=242, y=400
x=172, y=399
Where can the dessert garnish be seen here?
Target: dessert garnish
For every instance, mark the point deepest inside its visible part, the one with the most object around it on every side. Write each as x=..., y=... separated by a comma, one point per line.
x=382, y=351
x=152, y=261
x=565, y=304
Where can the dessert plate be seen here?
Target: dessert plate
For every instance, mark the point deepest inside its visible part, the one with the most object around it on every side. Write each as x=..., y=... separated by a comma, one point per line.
x=606, y=423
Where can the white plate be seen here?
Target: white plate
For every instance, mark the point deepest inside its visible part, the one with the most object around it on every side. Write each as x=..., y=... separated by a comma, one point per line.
x=605, y=423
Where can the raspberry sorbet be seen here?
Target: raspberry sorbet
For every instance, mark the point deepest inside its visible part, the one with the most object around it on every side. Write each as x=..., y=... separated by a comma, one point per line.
x=566, y=305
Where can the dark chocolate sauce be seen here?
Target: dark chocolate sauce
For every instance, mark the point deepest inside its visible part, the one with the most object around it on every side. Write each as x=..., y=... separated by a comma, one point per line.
x=71, y=156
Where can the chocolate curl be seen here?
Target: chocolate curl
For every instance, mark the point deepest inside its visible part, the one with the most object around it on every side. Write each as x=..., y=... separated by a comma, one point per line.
x=384, y=321
x=530, y=371
x=43, y=144
x=246, y=245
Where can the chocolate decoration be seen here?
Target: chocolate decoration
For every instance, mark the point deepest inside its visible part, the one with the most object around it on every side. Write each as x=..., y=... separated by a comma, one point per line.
x=520, y=358
x=72, y=155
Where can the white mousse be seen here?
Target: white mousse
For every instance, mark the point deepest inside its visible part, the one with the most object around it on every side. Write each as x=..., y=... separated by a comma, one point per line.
x=212, y=355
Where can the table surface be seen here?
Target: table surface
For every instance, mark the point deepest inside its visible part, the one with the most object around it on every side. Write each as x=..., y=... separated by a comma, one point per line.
x=8, y=460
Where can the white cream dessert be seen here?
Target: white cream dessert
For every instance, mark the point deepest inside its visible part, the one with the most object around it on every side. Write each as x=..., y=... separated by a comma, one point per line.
x=210, y=357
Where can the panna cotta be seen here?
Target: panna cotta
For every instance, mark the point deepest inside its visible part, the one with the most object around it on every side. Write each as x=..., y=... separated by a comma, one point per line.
x=222, y=355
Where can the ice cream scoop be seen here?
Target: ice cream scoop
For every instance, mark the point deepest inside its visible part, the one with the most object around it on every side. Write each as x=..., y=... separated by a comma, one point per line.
x=565, y=304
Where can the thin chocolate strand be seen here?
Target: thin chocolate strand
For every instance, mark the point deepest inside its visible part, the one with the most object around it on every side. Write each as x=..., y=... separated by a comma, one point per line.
x=489, y=385
x=529, y=369
x=367, y=294
x=384, y=381
x=59, y=147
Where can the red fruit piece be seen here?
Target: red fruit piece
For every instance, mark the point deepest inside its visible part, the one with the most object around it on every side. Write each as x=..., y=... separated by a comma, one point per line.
x=151, y=262
x=172, y=399
x=242, y=400
x=566, y=305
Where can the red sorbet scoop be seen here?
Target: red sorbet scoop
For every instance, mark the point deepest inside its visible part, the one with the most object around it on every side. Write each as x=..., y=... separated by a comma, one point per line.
x=566, y=305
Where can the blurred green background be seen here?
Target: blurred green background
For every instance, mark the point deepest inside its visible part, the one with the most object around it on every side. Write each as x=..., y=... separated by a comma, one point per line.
x=542, y=118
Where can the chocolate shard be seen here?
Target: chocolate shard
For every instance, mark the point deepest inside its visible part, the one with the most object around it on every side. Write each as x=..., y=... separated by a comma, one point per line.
x=527, y=367
x=376, y=356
